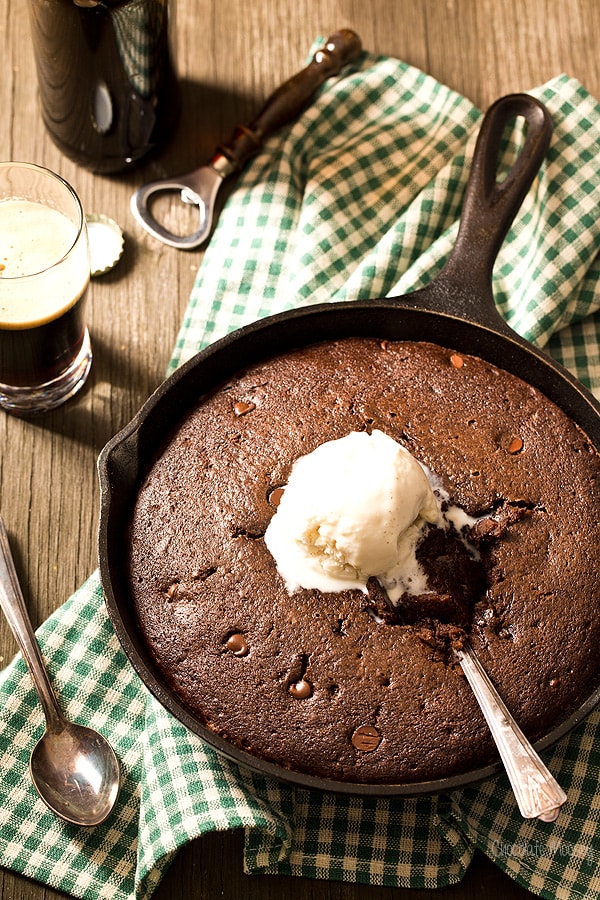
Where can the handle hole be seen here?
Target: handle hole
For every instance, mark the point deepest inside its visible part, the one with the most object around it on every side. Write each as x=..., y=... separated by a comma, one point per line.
x=170, y=212
x=510, y=145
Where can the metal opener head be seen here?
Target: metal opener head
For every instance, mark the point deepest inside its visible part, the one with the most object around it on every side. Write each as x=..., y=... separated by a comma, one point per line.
x=198, y=188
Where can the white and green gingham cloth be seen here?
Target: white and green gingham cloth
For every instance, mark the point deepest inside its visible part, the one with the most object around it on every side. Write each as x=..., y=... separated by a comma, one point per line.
x=359, y=198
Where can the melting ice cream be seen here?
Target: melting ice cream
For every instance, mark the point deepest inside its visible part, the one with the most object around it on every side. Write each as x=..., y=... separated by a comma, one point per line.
x=352, y=509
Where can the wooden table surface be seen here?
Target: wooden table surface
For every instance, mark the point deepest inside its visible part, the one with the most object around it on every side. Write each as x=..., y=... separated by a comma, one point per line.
x=231, y=55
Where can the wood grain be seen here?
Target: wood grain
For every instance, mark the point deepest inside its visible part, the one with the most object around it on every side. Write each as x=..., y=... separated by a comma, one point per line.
x=230, y=57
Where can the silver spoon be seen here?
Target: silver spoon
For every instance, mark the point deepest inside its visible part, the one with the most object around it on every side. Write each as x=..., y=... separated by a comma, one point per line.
x=536, y=791
x=73, y=768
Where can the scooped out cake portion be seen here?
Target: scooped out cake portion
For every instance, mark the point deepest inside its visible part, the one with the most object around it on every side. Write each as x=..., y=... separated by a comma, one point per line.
x=318, y=533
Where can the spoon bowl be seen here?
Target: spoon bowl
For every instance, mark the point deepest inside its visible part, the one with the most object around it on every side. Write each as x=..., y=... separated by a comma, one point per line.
x=73, y=768
x=76, y=774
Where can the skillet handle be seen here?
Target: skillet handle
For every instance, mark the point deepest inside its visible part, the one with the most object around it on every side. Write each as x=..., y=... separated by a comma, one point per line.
x=490, y=205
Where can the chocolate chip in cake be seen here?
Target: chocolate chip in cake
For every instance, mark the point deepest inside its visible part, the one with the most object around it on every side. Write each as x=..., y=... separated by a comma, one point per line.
x=275, y=495
x=301, y=690
x=237, y=644
x=366, y=738
x=172, y=590
x=241, y=407
x=516, y=445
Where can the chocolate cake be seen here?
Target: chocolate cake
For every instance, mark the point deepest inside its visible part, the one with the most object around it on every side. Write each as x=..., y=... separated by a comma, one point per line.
x=342, y=685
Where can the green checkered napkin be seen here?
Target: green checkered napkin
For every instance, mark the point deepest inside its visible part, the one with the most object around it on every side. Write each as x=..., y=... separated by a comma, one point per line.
x=358, y=199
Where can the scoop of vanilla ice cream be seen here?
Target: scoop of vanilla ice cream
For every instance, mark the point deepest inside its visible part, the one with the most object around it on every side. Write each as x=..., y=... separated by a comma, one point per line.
x=352, y=509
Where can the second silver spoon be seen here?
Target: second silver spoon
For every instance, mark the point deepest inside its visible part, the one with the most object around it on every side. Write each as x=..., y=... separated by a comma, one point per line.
x=74, y=768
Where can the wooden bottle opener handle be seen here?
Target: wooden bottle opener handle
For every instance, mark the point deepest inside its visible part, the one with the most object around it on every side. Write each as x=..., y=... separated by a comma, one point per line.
x=290, y=99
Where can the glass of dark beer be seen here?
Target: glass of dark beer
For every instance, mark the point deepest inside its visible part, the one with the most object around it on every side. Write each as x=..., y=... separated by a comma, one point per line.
x=45, y=352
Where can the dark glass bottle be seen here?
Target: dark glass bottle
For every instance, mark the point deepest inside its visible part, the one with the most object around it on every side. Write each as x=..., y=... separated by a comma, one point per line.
x=108, y=89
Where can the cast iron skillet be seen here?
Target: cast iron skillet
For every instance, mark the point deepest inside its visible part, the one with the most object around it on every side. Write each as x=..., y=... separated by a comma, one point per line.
x=456, y=310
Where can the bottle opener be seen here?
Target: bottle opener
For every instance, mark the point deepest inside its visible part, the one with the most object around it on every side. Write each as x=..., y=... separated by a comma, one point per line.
x=200, y=186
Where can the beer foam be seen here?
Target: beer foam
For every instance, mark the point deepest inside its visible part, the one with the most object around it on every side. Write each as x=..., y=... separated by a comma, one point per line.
x=39, y=277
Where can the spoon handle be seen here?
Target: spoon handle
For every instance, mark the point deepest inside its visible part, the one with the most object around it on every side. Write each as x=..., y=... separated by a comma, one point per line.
x=13, y=607
x=537, y=792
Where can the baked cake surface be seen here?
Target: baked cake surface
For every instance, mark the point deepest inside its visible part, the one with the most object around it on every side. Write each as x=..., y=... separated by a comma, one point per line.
x=318, y=682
